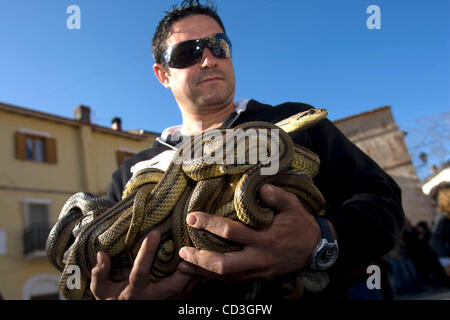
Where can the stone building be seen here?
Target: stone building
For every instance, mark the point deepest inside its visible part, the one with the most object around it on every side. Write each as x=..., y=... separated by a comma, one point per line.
x=376, y=133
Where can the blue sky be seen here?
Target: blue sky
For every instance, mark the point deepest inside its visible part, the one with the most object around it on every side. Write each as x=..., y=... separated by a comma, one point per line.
x=318, y=52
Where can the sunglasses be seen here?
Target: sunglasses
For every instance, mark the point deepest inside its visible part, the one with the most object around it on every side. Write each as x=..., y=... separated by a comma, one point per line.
x=187, y=53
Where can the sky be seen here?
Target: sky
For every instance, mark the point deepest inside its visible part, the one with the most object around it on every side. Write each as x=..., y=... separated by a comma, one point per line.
x=317, y=52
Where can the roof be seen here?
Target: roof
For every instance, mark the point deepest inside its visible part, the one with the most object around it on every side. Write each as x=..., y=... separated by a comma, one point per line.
x=359, y=115
x=135, y=135
x=438, y=179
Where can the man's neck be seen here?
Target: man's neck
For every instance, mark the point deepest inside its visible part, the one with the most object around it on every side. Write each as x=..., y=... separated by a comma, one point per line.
x=195, y=123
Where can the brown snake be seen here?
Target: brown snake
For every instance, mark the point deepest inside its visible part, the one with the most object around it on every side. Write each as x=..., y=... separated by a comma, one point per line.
x=200, y=178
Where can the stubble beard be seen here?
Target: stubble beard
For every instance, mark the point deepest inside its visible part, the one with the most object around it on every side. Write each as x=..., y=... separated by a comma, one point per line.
x=217, y=94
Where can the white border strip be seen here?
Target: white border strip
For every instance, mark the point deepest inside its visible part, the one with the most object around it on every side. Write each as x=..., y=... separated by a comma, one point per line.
x=35, y=133
x=37, y=201
x=128, y=150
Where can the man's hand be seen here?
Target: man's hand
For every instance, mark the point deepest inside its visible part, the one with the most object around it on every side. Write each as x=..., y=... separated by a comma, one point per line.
x=139, y=286
x=285, y=246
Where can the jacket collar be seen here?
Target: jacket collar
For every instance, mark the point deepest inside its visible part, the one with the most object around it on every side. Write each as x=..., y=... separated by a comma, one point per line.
x=171, y=136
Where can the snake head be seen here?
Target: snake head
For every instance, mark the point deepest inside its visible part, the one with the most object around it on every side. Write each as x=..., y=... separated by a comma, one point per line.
x=303, y=120
x=314, y=114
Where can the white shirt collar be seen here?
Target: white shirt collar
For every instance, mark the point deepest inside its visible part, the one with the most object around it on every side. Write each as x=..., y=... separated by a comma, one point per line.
x=240, y=106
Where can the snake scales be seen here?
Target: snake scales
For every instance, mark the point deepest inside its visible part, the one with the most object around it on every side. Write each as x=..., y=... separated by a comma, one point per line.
x=154, y=199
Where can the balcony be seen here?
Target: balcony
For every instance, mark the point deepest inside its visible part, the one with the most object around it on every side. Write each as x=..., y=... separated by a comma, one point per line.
x=34, y=239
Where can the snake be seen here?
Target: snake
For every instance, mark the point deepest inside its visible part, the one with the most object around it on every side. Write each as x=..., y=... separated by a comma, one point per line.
x=200, y=177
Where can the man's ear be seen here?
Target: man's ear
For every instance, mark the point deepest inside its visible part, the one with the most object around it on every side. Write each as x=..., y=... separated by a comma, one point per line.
x=162, y=74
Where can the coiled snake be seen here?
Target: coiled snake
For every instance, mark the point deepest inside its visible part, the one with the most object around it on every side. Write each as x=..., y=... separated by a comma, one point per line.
x=200, y=177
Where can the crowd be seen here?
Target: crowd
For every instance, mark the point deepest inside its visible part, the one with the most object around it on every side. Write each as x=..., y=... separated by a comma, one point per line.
x=420, y=263
x=415, y=265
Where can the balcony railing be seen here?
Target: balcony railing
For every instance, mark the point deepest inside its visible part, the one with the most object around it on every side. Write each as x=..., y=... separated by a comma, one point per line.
x=34, y=238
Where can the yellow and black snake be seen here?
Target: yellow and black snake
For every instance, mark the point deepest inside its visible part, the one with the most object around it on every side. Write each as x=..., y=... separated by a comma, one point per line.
x=201, y=177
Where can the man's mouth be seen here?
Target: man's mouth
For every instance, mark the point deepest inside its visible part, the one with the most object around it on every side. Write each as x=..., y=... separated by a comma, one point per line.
x=210, y=79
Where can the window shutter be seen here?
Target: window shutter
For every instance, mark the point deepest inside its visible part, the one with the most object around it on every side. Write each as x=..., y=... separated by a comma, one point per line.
x=50, y=150
x=120, y=158
x=21, y=151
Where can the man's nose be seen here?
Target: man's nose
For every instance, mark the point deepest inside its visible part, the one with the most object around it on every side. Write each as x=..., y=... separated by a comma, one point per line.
x=208, y=59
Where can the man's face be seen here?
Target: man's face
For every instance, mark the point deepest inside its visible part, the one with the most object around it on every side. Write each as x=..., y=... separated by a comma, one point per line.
x=207, y=84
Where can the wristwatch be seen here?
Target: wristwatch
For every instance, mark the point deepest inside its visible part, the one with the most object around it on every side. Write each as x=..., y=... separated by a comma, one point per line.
x=326, y=252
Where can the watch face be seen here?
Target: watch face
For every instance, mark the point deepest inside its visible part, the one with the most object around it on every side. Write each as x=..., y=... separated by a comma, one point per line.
x=325, y=255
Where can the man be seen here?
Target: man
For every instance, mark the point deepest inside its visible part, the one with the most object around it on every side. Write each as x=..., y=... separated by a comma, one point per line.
x=364, y=210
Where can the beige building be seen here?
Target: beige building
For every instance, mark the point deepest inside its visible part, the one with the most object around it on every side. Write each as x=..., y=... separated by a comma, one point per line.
x=376, y=133
x=44, y=160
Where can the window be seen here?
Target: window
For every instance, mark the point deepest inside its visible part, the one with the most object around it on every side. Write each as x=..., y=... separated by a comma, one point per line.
x=3, y=245
x=123, y=155
x=42, y=287
x=38, y=213
x=35, y=148
x=36, y=227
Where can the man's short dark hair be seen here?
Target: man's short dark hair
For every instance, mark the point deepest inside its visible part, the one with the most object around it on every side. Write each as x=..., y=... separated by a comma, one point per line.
x=185, y=9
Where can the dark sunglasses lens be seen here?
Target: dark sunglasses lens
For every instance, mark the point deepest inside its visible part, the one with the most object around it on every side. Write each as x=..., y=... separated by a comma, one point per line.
x=186, y=54
x=190, y=52
x=219, y=47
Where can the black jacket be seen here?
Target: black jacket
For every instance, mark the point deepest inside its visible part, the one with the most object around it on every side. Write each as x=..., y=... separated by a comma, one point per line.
x=363, y=202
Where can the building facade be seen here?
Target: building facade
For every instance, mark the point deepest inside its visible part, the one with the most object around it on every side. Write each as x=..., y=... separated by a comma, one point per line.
x=46, y=159
x=376, y=133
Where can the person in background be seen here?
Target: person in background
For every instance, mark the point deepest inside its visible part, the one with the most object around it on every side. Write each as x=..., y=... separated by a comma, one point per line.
x=440, y=240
